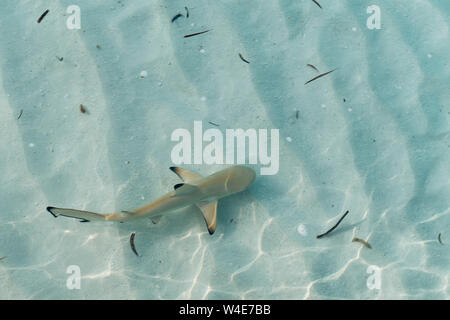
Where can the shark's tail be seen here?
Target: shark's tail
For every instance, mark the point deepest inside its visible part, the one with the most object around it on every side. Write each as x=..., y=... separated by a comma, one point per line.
x=84, y=216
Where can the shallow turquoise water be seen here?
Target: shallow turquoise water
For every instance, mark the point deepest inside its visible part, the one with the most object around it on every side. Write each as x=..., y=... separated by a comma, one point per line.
x=383, y=153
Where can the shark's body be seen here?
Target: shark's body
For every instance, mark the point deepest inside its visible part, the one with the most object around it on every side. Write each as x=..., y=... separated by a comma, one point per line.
x=201, y=191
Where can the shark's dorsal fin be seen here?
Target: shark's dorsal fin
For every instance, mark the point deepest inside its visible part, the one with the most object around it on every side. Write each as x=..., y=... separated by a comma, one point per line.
x=156, y=219
x=185, y=175
x=209, y=211
x=184, y=189
x=178, y=185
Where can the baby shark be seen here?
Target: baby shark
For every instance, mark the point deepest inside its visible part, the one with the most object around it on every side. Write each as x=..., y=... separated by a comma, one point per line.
x=204, y=192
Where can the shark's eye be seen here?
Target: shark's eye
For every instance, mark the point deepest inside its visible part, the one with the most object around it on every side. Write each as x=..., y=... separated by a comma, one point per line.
x=239, y=179
x=233, y=183
x=227, y=184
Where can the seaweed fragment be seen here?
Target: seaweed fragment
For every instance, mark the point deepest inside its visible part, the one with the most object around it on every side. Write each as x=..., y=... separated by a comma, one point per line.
x=319, y=76
x=334, y=227
x=313, y=67
x=355, y=239
x=42, y=16
x=132, y=244
x=242, y=58
x=179, y=15
x=318, y=4
x=195, y=34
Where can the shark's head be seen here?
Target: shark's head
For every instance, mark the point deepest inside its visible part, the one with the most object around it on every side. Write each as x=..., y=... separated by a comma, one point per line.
x=239, y=178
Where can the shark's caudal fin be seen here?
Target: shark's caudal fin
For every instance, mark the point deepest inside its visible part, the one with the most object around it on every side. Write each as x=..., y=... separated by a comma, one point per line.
x=209, y=210
x=84, y=216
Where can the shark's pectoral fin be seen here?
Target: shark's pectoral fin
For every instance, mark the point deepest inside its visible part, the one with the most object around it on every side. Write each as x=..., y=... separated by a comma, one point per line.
x=209, y=211
x=185, y=175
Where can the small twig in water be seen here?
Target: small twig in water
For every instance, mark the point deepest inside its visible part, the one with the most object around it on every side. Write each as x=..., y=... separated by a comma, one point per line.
x=439, y=238
x=319, y=76
x=176, y=17
x=195, y=34
x=242, y=58
x=317, y=3
x=311, y=66
x=132, y=243
x=335, y=226
x=362, y=241
x=20, y=114
x=82, y=109
x=187, y=12
x=42, y=16
x=214, y=124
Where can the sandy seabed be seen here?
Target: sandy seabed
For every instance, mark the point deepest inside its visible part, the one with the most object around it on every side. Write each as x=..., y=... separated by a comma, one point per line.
x=373, y=137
